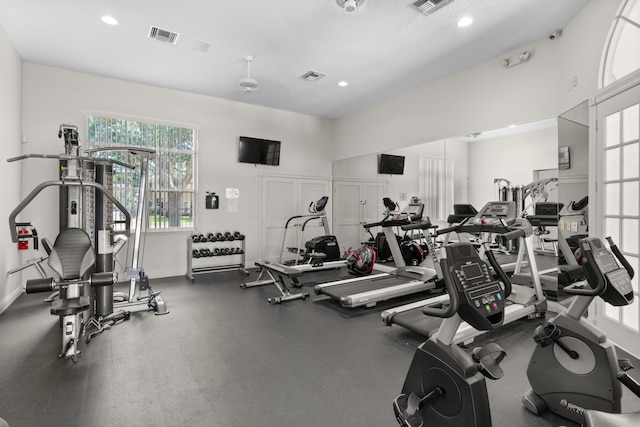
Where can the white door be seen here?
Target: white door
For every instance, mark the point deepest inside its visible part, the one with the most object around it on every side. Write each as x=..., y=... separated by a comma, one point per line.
x=618, y=203
x=356, y=203
x=283, y=198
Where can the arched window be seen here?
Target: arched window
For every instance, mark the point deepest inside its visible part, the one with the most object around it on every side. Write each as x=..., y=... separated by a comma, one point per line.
x=622, y=54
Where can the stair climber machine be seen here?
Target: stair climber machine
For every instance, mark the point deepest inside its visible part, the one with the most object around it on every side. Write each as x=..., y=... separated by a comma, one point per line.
x=524, y=301
x=574, y=370
x=320, y=253
x=404, y=280
x=445, y=385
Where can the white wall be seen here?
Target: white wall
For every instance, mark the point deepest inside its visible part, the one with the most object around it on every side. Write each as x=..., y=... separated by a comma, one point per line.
x=10, y=119
x=53, y=96
x=487, y=96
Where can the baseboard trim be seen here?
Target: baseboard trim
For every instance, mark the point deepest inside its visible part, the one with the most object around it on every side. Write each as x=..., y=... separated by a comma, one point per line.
x=10, y=299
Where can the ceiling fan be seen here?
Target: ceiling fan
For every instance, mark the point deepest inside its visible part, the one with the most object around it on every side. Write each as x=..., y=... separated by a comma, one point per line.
x=247, y=83
x=350, y=5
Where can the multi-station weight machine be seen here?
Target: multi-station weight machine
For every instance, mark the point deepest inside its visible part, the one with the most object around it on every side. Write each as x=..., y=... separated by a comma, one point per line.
x=82, y=180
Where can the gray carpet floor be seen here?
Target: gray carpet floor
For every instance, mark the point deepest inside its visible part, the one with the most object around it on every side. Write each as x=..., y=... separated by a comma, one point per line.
x=224, y=357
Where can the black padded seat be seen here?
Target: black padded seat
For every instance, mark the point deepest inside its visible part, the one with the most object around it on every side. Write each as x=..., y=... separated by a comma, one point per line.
x=605, y=419
x=72, y=256
x=69, y=306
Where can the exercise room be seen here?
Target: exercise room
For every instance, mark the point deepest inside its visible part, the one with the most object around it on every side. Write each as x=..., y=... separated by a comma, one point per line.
x=363, y=213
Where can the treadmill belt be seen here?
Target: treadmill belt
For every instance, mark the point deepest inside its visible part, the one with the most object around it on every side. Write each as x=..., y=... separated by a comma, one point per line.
x=352, y=312
x=344, y=290
x=416, y=321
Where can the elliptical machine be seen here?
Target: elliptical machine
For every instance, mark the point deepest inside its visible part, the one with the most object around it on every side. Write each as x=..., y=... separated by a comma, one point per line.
x=445, y=386
x=574, y=367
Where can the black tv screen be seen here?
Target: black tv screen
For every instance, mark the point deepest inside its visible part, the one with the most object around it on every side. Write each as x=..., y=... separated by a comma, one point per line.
x=258, y=151
x=389, y=164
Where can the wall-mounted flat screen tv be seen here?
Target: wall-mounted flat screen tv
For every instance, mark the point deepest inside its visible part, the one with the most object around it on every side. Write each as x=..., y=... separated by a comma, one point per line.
x=258, y=151
x=389, y=164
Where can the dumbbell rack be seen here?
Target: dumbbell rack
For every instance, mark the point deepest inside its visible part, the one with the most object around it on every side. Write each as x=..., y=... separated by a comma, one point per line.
x=204, y=265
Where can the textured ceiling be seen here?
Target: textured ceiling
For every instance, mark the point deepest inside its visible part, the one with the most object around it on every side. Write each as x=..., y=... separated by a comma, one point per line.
x=386, y=48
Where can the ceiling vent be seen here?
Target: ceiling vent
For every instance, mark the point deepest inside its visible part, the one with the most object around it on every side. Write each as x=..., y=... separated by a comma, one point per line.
x=163, y=35
x=312, y=76
x=427, y=7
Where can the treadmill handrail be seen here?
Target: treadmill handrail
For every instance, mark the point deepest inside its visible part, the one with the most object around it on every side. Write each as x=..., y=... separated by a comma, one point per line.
x=62, y=183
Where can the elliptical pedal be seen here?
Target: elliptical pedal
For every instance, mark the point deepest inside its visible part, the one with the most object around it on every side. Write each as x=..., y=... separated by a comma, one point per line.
x=488, y=359
x=407, y=408
x=625, y=365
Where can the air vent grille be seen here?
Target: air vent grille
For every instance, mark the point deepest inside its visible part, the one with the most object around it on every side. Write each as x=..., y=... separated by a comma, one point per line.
x=312, y=76
x=427, y=7
x=165, y=36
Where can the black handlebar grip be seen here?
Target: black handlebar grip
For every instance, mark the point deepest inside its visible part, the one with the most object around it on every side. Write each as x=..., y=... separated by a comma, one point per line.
x=454, y=302
x=103, y=279
x=512, y=235
x=34, y=286
x=588, y=263
x=422, y=225
x=499, y=271
x=446, y=230
x=621, y=258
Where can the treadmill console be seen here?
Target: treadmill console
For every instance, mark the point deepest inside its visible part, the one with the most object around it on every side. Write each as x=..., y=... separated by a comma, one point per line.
x=413, y=212
x=618, y=290
x=481, y=297
x=496, y=213
x=496, y=217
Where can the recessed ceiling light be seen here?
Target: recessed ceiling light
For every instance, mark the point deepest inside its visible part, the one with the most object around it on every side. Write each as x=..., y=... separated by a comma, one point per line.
x=109, y=20
x=465, y=21
x=343, y=84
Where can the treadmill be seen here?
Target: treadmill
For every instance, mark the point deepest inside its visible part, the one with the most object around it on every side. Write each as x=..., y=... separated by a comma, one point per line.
x=405, y=280
x=524, y=302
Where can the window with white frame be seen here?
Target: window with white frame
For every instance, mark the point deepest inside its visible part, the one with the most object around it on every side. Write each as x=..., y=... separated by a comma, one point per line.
x=436, y=187
x=621, y=154
x=622, y=54
x=621, y=202
x=171, y=175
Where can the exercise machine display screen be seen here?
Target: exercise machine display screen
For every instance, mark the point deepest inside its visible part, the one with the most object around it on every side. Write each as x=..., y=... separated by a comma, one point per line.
x=619, y=289
x=471, y=271
x=497, y=210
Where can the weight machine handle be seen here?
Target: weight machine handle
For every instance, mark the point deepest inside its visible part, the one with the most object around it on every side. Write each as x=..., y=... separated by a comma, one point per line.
x=454, y=302
x=63, y=183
